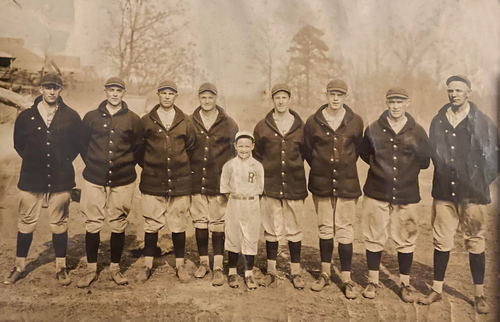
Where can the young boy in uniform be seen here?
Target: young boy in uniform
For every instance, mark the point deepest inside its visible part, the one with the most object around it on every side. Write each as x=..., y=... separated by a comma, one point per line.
x=242, y=180
x=215, y=131
x=111, y=145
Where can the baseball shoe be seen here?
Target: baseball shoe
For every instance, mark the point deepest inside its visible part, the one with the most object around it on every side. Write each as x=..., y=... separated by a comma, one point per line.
x=322, y=281
x=87, y=279
x=431, y=298
x=62, y=277
x=144, y=274
x=250, y=282
x=298, y=282
x=349, y=292
x=232, y=280
x=14, y=275
x=202, y=270
x=116, y=275
x=370, y=290
x=218, y=278
x=269, y=280
x=481, y=306
x=183, y=274
x=406, y=294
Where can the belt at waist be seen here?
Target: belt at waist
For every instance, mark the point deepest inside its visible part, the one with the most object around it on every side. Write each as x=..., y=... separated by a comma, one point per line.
x=242, y=198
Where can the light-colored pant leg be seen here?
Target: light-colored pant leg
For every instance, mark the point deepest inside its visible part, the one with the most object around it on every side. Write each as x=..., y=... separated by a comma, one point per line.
x=234, y=234
x=199, y=210
x=118, y=204
x=445, y=220
x=153, y=211
x=30, y=207
x=345, y=214
x=473, y=226
x=250, y=225
x=376, y=216
x=93, y=206
x=59, y=211
x=292, y=215
x=177, y=213
x=208, y=211
x=272, y=218
x=404, y=227
x=324, y=210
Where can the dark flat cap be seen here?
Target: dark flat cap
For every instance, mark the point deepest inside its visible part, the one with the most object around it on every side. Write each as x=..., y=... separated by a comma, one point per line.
x=167, y=84
x=115, y=81
x=459, y=78
x=337, y=85
x=280, y=87
x=51, y=79
x=397, y=92
x=208, y=87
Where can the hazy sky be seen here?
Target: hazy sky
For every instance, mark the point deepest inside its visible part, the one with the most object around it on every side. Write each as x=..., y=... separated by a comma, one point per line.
x=227, y=32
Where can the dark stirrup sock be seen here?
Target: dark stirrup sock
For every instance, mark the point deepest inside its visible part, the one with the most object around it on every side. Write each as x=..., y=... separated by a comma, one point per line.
x=345, y=256
x=405, y=260
x=440, y=263
x=23, y=244
x=202, y=241
x=150, y=241
x=272, y=250
x=295, y=248
x=326, y=250
x=232, y=259
x=60, y=242
x=249, y=262
x=179, y=240
x=117, y=241
x=477, y=266
x=373, y=260
x=218, y=242
x=92, y=246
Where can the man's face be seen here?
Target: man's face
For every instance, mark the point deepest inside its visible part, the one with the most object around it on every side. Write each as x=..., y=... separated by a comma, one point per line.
x=167, y=98
x=50, y=93
x=281, y=101
x=397, y=107
x=207, y=100
x=244, y=147
x=458, y=93
x=114, y=94
x=336, y=99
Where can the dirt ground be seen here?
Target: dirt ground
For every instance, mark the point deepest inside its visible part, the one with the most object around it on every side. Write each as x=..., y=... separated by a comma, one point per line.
x=37, y=297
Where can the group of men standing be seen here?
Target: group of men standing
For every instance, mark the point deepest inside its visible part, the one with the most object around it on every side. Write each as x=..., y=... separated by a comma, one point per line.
x=182, y=159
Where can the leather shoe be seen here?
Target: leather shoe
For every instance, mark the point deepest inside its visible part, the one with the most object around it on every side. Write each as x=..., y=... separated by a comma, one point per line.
x=322, y=281
x=431, y=298
x=218, y=278
x=62, y=277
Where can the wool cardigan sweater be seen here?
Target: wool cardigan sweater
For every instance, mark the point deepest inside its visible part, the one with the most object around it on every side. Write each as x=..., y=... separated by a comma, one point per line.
x=111, y=146
x=47, y=152
x=282, y=158
x=465, y=158
x=395, y=160
x=332, y=154
x=213, y=148
x=166, y=169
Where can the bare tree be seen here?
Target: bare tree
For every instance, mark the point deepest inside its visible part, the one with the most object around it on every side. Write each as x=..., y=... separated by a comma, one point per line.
x=143, y=44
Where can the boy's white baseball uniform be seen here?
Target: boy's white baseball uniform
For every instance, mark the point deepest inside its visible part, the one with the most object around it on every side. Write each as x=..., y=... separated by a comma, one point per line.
x=244, y=181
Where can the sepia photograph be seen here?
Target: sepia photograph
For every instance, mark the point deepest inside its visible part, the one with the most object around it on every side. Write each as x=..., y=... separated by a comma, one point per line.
x=255, y=160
